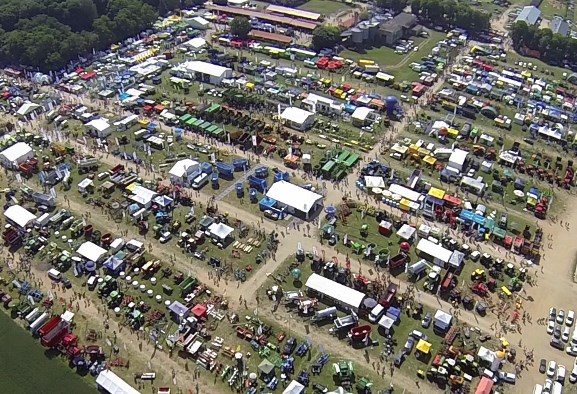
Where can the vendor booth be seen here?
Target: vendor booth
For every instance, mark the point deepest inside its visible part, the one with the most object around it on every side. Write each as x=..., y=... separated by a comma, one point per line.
x=344, y=295
x=91, y=251
x=298, y=201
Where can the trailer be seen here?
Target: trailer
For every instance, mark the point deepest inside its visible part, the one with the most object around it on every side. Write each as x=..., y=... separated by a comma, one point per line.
x=257, y=183
x=58, y=331
x=346, y=322
x=30, y=317
x=36, y=324
x=225, y=170
x=398, y=261
x=49, y=326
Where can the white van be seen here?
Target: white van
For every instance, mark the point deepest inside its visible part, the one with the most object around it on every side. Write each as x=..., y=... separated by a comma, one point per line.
x=538, y=389
x=54, y=274
x=376, y=313
x=200, y=181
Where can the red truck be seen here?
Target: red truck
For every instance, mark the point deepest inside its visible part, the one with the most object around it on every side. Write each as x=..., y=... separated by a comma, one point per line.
x=388, y=298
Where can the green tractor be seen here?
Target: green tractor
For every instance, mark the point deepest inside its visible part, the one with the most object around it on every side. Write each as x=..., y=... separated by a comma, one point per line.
x=365, y=230
x=364, y=386
x=107, y=286
x=344, y=374
x=114, y=299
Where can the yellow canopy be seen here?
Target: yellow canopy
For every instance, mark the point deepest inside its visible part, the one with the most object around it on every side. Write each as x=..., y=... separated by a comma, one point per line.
x=131, y=186
x=430, y=160
x=423, y=346
x=437, y=193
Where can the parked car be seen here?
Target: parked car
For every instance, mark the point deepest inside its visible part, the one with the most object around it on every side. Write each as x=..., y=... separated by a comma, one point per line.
x=550, y=327
x=507, y=377
x=556, y=343
x=409, y=345
x=427, y=320
x=571, y=350
x=570, y=319
x=551, y=368
x=560, y=317
x=548, y=386
x=561, y=371
x=565, y=334
x=552, y=314
x=542, y=365
x=573, y=376
x=290, y=346
x=165, y=237
x=557, y=332
x=400, y=359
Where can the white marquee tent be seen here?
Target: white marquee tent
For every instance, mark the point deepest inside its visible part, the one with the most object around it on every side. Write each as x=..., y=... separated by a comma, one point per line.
x=20, y=216
x=294, y=387
x=340, y=293
x=294, y=196
x=220, y=231
x=16, y=154
x=91, y=251
x=114, y=384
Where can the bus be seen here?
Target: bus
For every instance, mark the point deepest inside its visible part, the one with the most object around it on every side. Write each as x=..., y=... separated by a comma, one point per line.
x=364, y=62
x=301, y=54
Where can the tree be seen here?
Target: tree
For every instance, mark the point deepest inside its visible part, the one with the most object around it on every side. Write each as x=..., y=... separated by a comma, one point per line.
x=395, y=5
x=326, y=36
x=519, y=32
x=240, y=27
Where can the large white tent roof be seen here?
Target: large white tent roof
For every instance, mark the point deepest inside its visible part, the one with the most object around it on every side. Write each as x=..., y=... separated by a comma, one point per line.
x=114, y=384
x=293, y=196
x=220, y=230
x=296, y=115
x=16, y=151
x=19, y=215
x=91, y=251
x=344, y=294
x=205, y=68
x=180, y=168
x=294, y=387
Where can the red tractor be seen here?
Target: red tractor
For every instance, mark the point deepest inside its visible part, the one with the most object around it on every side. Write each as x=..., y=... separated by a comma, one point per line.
x=480, y=288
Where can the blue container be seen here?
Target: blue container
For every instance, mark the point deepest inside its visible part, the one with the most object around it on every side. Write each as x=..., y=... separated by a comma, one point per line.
x=253, y=196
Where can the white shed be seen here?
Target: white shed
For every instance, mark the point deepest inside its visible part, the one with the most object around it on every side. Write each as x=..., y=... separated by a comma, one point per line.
x=195, y=44
x=184, y=171
x=16, y=154
x=99, y=128
x=91, y=251
x=457, y=159
x=19, y=216
x=297, y=118
x=198, y=23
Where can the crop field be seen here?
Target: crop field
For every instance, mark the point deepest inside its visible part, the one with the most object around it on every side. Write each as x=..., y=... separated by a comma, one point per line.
x=20, y=353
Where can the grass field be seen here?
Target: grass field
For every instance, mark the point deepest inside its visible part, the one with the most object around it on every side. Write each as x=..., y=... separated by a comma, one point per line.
x=325, y=7
x=27, y=369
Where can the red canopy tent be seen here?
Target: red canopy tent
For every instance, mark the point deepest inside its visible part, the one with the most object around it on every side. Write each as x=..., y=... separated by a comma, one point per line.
x=199, y=311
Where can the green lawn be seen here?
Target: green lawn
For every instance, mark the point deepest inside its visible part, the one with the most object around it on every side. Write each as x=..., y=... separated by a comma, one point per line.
x=29, y=368
x=550, y=8
x=325, y=7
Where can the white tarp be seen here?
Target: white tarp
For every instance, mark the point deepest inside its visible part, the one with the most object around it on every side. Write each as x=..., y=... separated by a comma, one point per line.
x=142, y=195
x=343, y=294
x=374, y=181
x=294, y=196
x=220, y=230
x=406, y=232
x=19, y=215
x=114, y=384
x=296, y=115
x=91, y=251
x=405, y=192
x=294, y=387
x=386, y=322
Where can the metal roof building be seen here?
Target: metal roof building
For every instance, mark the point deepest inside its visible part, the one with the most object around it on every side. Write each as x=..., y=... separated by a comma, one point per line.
x=530, y=15
x=559, y=26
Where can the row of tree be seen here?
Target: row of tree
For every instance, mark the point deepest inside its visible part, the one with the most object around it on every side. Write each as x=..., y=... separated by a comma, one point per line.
x=450, y=13
x=552, y=48
x=47, y=34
